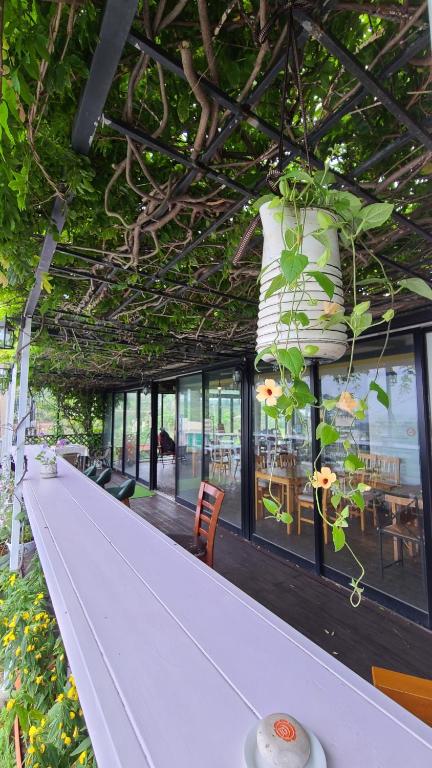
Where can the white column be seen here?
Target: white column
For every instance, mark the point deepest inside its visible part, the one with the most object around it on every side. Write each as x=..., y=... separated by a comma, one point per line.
x=24, y=358
x=8, y=429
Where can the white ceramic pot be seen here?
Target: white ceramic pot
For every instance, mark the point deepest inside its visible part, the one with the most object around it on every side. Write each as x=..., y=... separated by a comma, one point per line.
x=332, y=342
x=48, y=470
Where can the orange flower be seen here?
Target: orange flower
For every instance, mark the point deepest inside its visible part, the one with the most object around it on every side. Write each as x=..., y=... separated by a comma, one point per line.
x=330, y=308
x=268, y=392
x=323, y=479
x=347, y=403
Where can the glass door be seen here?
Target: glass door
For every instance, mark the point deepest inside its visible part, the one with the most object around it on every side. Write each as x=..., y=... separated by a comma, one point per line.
x=189, y=453
x=118, y=432
x=144, y=437
x=131, y=426
x=222, y=440
x=166, y=437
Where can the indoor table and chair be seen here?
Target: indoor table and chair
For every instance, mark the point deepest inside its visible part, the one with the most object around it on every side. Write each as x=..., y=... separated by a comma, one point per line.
x=393, y=508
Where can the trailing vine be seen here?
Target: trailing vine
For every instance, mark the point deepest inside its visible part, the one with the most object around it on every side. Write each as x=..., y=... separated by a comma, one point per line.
x=351, y=218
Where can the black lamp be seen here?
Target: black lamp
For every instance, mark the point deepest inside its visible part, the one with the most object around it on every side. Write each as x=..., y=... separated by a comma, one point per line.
x=146, y=389
x=6, y=334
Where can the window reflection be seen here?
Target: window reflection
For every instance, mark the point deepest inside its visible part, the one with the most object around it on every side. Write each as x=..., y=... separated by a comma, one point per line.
x=387, y=536
x=190, y=437
x=222, y=441
x=118, y=432
x=144, y=437
x=283, y=457
x=131, y=433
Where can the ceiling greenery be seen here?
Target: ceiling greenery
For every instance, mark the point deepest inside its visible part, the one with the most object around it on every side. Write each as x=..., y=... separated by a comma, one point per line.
x=106, y=315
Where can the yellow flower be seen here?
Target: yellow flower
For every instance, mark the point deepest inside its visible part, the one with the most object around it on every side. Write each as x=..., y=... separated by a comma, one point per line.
x=26, y=615
x=75, y=732
x=33, y=731
x=67, y=740
x=30, y=647
x=42, y=747
x=323, y=479
x=53, y=678
x=18, y=652
x=12, y=579
x=26, y=630
x=31, y=750
x=82, y=758
x=10, y=705
x=25, y=670
x=38, y=655
x=60, y=697
x=39, y=679
x=347, y=403
x=268, y=392
x=71, y=679
x=72, y=715
x=330, y=308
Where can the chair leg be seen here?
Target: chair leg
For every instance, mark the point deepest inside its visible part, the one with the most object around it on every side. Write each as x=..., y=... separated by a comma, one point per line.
x=126, y=502
x=299, y=520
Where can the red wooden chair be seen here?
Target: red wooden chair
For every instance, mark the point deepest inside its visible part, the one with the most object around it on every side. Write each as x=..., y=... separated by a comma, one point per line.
x=201, y=543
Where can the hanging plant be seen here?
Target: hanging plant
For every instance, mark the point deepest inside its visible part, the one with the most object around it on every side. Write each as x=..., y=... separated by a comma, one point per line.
x=302, y=319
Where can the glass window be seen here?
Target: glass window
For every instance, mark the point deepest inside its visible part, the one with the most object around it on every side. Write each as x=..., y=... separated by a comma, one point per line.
x=167, y=440
x=144, y=438
x=222, y=441
x=283, y=457
x=118, y=432
x=189, y=450
x=131, y=433
x=107, y=426
x=387, y=536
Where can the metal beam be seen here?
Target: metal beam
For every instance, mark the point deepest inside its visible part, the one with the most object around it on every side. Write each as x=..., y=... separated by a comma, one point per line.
x=23, y=354
x=58, y=217
x=367, y=79
x=116, y=23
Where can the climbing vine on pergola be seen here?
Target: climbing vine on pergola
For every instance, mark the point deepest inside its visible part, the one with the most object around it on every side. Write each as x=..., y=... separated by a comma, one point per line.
x=146, y=275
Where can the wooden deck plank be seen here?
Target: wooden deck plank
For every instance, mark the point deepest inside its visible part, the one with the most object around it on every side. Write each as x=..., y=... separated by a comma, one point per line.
x=194, y=660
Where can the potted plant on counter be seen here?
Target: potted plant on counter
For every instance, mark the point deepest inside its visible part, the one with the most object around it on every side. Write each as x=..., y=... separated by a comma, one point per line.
x=48, y=462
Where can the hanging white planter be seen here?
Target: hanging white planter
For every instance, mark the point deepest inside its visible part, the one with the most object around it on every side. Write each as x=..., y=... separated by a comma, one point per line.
x=331, y=342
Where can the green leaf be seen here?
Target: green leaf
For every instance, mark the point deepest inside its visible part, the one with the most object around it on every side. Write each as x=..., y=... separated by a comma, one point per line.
x=417, y=285
x=336, y=500
x=264, y=352
x=329, y=404
x=310, y=350
x=382, y=395
x=84, y=745
x=346, y=443
x=325, y=220
x=327, y=434
x=361, y=308
x=324, y=282
x=276, y=284
x=374, y=215
x=352, y=463
x=345, y=512
x=360, y=323
x=293, y=264
x=363, y=487
x=286, y=518
x=291, y=359
x=263, y=199
x=291, y=238
x=4, y=114
x=271, y=506
x=302, y=393
x=338, y=535
x=389, y=315
x=357, y=499
x=272, y=411
x=183, y=107
x=295, y=317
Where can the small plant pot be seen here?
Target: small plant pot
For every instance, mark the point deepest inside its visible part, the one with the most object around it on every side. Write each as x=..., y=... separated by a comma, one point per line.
x=48, y=470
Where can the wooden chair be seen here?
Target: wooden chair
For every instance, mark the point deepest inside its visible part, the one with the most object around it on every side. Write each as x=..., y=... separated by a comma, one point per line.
x=404, y=528
x=286, y=460
x=306, y=501
x=221, y=462
x=201, y=543
x=71, y=458
x=413, y=693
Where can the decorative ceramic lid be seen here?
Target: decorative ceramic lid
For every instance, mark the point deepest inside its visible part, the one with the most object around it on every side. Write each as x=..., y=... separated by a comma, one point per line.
x=282, y=742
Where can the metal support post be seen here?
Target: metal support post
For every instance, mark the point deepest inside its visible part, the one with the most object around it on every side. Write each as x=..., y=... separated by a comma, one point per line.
x=24, y=359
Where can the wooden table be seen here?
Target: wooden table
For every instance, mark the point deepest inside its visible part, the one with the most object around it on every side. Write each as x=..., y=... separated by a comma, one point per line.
x=173, y=664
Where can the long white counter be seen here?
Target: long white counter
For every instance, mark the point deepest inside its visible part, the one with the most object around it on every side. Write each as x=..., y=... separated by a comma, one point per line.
x=173, y=663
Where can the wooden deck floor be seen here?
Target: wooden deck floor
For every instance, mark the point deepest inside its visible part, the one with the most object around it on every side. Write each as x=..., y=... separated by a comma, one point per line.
x=359, y=638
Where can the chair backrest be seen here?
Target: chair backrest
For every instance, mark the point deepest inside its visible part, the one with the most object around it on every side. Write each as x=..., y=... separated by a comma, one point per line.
x=286, y=460
x=71, y=458
x=388, y=468
x=126, y=490
x=208, y=507
x=90, y=471
x=413, y=693
x=104, y=477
